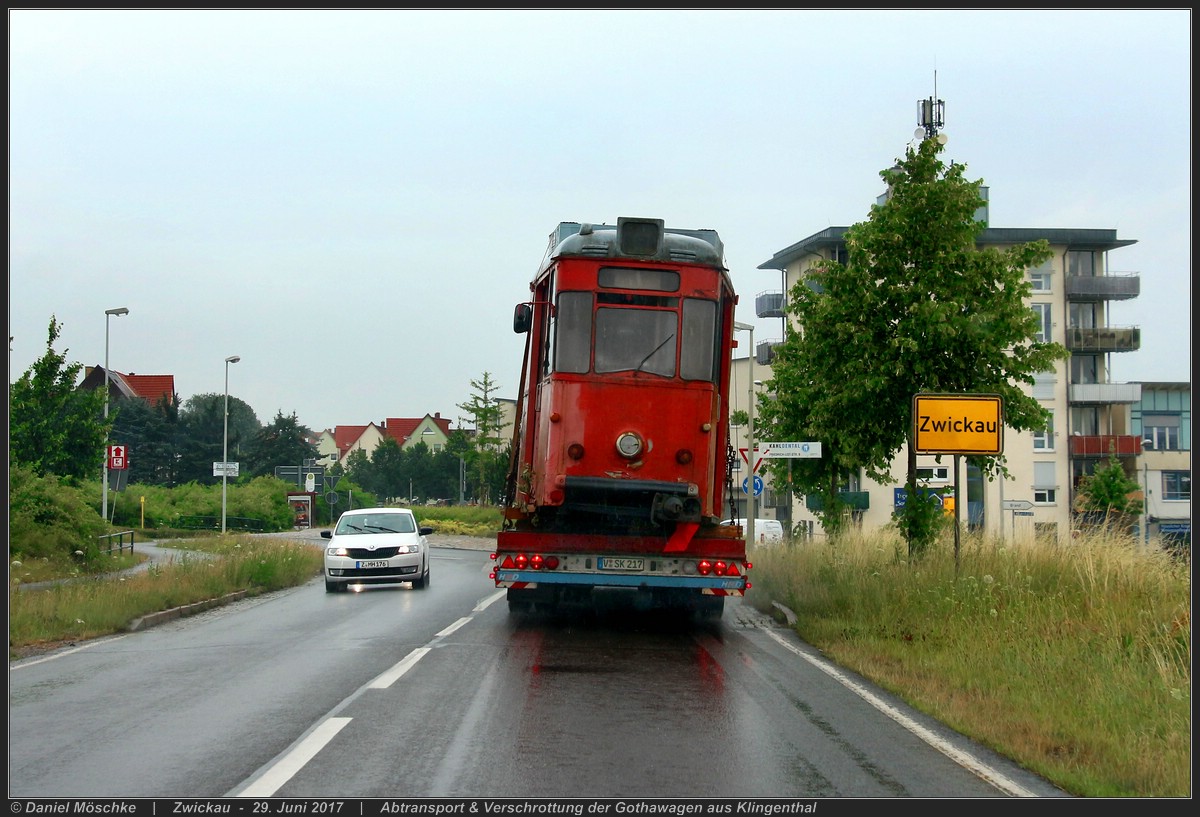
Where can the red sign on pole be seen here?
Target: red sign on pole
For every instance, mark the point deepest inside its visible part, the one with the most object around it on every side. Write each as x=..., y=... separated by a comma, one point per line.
x=746, y=459
x=117, y=461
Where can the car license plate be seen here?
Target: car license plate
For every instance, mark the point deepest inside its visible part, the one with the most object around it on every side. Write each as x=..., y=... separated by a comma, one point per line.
x=370, y=564
x=620, y=563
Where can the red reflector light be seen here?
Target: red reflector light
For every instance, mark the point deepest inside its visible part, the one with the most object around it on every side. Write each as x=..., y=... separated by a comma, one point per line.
x=535, y=561
x=748, y=565
x=551, y=562
x=508, y=563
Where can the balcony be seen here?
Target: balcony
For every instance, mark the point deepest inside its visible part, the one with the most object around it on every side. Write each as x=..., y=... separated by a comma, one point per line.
x=853, y=500
x=1097, y=340
x=768, y=304
x=764, y=352
x=1100, y=446
x=1104, y=394
x=1103, y=287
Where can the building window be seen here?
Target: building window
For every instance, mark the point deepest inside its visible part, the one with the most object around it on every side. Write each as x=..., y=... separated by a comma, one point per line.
x=1043, y=385
x=933, y=473
x=1081, y=263
x=1044, y=483
x=1044, y=440
x=1177, y=485
x=1040, y=277
x=1043, y=315
x=1162, y=430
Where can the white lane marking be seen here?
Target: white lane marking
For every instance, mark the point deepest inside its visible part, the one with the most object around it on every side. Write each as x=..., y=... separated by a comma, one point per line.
x=406, y=663
x=452, y=627
x=34, y=661
x=293, y=759
x=283, y=771
x=489, y=601
x=964, y=759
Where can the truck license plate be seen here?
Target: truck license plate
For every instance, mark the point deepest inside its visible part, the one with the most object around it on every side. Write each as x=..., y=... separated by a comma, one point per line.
x=620, y=563
x=372, y=563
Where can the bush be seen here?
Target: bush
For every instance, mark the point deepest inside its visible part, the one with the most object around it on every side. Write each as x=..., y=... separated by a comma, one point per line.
x=51, y=518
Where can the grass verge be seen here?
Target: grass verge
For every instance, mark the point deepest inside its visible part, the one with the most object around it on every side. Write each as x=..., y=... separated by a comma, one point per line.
x=1074, y=660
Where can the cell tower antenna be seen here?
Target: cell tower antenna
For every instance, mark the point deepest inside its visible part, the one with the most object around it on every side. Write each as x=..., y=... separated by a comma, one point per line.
x=931, y=114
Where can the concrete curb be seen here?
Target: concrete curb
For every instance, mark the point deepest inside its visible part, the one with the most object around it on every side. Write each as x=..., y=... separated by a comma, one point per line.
x=787, y=614
x=164, y=616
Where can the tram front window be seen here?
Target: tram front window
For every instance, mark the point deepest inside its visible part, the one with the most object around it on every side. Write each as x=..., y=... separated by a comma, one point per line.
x=636, y=340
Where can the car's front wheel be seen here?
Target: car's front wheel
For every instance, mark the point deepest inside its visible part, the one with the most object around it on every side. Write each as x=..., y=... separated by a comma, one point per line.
x=423, y=581
x=333, y=587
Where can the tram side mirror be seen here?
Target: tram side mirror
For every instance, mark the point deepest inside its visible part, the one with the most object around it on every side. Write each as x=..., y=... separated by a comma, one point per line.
x=522, y=318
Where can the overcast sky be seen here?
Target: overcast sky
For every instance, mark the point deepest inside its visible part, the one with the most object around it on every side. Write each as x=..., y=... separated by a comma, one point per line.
x=354, y=201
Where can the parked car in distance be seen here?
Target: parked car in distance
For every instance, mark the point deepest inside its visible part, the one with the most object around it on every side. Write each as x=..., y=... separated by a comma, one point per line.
x=376, y=546
x=766, y=531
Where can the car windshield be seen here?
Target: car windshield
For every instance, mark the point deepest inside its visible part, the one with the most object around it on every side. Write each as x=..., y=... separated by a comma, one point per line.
x=377, y=523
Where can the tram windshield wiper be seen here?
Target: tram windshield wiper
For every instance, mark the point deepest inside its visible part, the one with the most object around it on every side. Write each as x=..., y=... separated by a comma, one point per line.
x=653, y=351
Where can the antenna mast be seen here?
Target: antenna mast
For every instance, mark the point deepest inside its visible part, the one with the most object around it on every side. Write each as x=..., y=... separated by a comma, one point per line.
x=931, y=113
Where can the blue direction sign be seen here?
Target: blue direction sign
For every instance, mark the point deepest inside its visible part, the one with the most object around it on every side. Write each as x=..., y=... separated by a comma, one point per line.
x=758, y=485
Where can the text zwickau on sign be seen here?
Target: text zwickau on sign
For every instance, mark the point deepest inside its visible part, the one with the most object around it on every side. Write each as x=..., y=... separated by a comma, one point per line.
x=958, y=424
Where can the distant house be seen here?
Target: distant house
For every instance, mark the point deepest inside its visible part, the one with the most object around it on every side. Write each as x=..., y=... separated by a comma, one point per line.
x=349, y=439
x=433, y=430
x=153, y=388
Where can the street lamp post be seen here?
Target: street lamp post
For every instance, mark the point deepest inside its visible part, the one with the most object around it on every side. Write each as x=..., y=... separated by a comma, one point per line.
x=108, y=313
x=1146, y=498
x=751, y=454
x=225, y=442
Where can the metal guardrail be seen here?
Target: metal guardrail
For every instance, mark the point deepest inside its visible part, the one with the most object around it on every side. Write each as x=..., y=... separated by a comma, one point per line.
x=120, y=537
x=243, y=523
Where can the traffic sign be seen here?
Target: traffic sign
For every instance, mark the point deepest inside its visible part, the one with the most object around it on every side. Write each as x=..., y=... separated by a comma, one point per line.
x=117, y=458
x=746, y=458
x=758, y=485
x=958, y=424
x=1016, y=505
x=798, y=450
x=225, y=469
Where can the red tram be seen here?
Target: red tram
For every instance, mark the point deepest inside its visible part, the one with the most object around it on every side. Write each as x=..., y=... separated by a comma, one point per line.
x=621, y=455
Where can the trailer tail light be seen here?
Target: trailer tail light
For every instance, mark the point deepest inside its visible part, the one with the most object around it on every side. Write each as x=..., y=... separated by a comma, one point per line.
x=719, y=568
x=522, y=561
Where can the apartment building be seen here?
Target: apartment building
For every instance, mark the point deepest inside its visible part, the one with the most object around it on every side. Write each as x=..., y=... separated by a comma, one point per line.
x=1091, y=417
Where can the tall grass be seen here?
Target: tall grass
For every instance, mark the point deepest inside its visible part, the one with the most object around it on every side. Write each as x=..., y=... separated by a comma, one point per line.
x=91, y=607
x=1073, y=659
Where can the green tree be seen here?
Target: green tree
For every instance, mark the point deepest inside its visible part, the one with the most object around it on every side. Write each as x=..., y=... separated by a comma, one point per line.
x=917, y=307
x=283, y=441
x=1108, y=497
x=487, y=415
x=201, y=437
x=54, y=427
x=150, y=435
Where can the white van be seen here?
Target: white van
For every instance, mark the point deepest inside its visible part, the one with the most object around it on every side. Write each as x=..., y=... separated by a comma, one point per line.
x=766, y=531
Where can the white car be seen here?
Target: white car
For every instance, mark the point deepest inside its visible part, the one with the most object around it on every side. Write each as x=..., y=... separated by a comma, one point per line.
x=766, y=531
x=376, y=546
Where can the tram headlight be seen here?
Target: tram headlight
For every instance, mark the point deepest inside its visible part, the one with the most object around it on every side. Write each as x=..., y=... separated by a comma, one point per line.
x=629, y=445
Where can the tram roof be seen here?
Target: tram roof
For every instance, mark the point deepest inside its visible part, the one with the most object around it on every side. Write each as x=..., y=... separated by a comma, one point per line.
x=673, y=244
